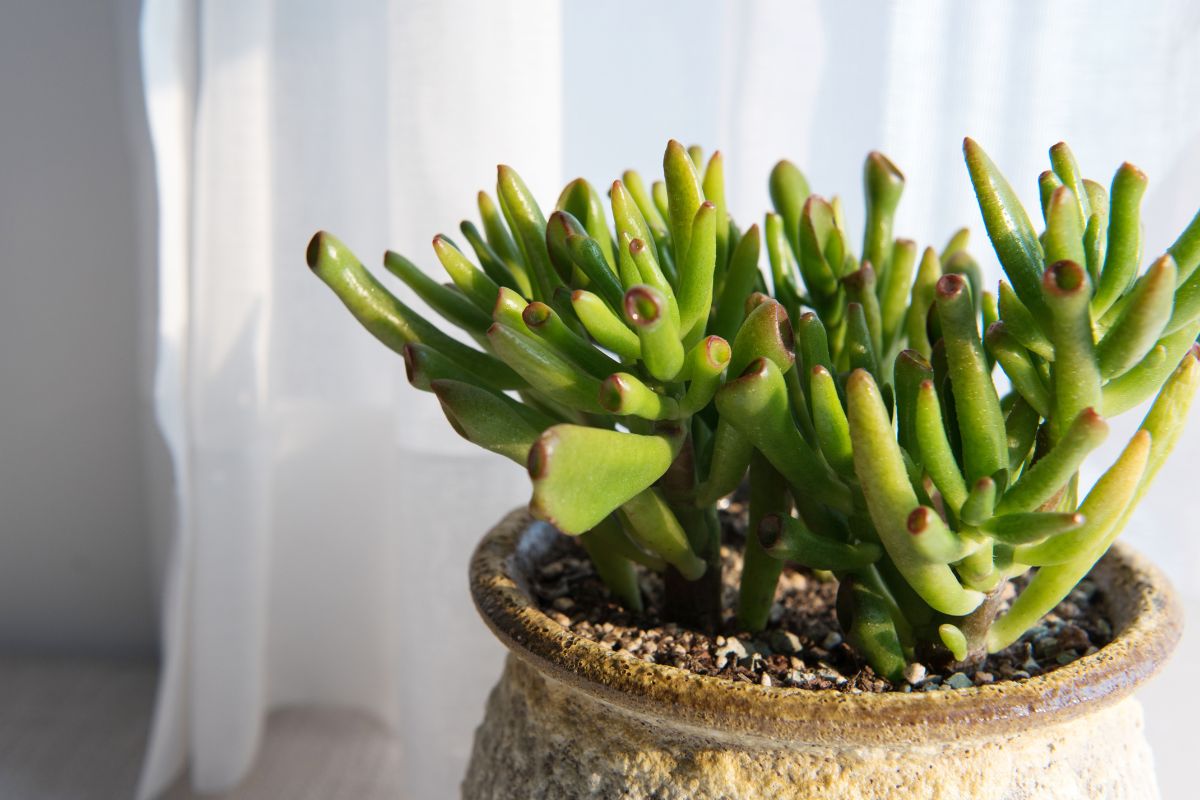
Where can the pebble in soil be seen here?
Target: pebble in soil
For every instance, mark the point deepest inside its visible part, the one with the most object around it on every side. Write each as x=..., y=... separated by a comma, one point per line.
x=802, y=645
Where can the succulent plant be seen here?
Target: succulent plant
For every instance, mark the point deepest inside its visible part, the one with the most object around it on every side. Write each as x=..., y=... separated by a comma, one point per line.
x=642, y=370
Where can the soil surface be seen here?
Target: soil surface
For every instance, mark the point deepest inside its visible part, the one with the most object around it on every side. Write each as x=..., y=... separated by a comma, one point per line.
x=802, y=645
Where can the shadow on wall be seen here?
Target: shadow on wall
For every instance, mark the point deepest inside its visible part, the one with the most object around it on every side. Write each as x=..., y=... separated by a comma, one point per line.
x=75, y=571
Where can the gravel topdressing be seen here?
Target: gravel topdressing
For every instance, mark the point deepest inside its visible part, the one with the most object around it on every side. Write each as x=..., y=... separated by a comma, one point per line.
x=802, y=645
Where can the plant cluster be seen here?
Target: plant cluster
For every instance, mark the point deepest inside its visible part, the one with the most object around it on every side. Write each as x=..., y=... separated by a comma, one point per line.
x=635, y=359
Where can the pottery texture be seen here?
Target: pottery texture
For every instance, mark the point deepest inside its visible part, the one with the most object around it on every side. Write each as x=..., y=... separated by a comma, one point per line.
x=572, y=719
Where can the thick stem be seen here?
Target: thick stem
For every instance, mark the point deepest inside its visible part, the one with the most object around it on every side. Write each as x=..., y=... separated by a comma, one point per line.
x=693, y=604
x=975, y=627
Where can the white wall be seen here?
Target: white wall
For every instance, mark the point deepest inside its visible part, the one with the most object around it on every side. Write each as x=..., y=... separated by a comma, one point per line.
x=74, y=560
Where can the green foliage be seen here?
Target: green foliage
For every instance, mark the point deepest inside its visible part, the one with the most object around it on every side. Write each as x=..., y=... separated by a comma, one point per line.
x=641, y=370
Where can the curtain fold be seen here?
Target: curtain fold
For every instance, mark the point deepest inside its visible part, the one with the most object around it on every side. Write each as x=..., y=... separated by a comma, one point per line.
x=324, y=512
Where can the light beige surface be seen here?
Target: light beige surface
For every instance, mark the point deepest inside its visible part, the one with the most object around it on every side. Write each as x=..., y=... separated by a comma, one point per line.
x=544, y=740
x=75, y=729
x=72, y=729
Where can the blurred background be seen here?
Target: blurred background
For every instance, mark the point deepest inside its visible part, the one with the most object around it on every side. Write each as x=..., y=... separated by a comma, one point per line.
x=233, y=542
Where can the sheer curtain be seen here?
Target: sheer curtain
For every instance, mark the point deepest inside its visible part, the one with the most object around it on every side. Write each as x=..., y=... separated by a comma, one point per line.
x=324, y=512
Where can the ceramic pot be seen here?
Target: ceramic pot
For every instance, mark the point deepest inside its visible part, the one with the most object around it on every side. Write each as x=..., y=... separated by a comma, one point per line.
x=572, y=719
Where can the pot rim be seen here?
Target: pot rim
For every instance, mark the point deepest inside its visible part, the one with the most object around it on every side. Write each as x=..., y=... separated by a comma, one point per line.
x=1146, y=616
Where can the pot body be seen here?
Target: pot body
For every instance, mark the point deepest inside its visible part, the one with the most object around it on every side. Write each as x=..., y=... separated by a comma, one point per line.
x=571, y=719
x=543, y=739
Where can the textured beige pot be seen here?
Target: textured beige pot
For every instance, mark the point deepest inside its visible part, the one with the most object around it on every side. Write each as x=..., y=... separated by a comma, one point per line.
x=572, y=719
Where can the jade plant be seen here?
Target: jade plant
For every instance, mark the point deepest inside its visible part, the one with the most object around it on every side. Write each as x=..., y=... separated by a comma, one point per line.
x=631, y=354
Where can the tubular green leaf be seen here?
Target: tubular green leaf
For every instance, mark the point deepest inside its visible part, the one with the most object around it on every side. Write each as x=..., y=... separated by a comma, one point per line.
x=781, y=260
x=529, y=225
x=714, y=192
x=739, y=283
x=817, y=229
x=829, y=421
x=389, y=320
x=1124, y=238
x=509, y=309
x=916, y=321
x=879, y=464
x=730, y=458
x=696, y=273
x=910, y=371
x=587, y=255
x=652, y=275
x=1186, y=308
x=706, y=363
x=861, y=288
x=756, y=403
x=493, y=421
x=1046, y=478
x=1048, y=182
x=658, y=193
x=604, y=544
x=451, y=304
x=493, y=265
x=954, y=640
x=1141, y=382
x=1142, y=320
x=789, y=190
x=466, y=276
x=637, y=190
x=1186, y=249
x=423, y=365
x=1166, y=418
x=627, y=216
x=980, y=420
x=1027, y=527
x=684, y=195
x=561, y=225
x=933, y=540
x=650, y=521
x=1062, y=160
x=581, y=475
x=883, y=184
x=1101, y=509
x=934, y=450
x=553, y=375
x=580, y=199
x=1020, y=430
x=760, y=571
x=1064, y=229
x=1054, y=582
x=501, y=241
x=812, y=343
x=957, y=243
x=543, y=321
x=866, y=615
x=647, y=312
x=766, y=333
x=981, y=499
x=1016, y=362
x=605, y=326
x=788, y=539
x=893, y=289
x=1020, y=323
x=625, y=395
x=1076, y=372
x=1008, y=227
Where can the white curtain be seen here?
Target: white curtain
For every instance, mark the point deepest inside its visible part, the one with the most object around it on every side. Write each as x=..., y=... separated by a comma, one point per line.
x=324, y=511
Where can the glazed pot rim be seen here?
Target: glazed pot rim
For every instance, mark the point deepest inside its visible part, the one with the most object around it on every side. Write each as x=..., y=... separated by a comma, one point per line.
x=1146, y=616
